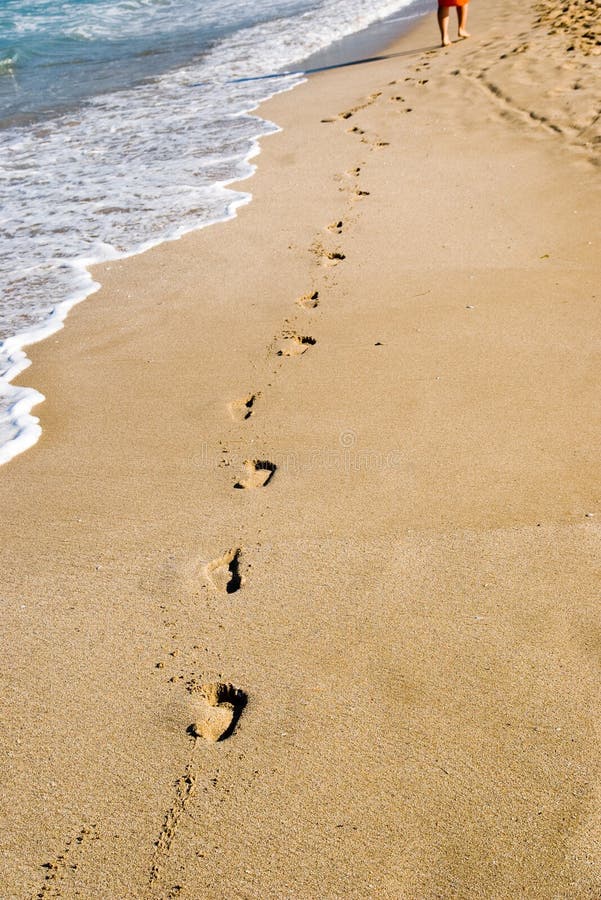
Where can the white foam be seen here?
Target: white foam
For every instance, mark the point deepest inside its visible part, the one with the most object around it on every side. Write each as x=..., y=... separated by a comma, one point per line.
x=19, y=429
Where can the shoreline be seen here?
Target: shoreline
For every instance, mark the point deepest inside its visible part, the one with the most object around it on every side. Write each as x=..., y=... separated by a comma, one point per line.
x=339, y=452
x=26, y=426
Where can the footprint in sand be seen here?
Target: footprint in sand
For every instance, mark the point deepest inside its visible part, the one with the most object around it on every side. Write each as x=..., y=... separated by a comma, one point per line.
x=242, y=409
x=349, y=112
x=309, y=301
x=335, y=227
x=257, y=473
x=224, y=573
x=219, y=709
x=295, y=345
x=355, y=130
x=327, y=257
x=333, y=256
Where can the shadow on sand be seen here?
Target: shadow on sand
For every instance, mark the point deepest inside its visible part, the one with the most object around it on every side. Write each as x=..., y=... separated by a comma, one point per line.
x=341, y=65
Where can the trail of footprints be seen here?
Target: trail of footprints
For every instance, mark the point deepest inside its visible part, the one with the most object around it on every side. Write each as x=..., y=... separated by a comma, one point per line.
x=217, y=705
x=220, y=704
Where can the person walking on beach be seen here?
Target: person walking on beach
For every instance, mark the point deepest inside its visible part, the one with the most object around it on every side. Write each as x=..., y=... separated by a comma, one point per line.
x=443, y=19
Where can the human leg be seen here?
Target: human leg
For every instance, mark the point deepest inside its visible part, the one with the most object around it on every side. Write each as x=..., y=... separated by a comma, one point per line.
x=443, y=24
x=462, y=20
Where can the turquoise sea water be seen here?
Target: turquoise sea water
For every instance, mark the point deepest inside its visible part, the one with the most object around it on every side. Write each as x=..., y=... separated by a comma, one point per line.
x=62, y=53
x=105, y=148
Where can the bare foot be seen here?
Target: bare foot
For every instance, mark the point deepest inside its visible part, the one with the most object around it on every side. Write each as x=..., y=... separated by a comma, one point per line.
x=446, y=42
x=463, y=33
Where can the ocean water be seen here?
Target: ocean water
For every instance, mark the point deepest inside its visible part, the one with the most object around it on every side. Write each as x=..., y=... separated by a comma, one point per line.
x=121, y=124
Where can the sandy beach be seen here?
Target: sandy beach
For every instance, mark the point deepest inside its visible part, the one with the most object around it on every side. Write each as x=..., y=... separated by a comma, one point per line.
x=340, y=455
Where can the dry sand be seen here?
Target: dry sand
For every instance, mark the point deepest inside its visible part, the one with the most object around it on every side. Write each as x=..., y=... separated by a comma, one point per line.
x=352, y=473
